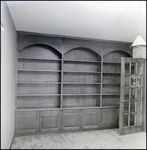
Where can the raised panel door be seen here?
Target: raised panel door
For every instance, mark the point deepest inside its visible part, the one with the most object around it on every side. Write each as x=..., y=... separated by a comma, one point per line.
x=109, y=118
x=49, y=121
x=71, y=119
x=90, y=118
x=26, y=122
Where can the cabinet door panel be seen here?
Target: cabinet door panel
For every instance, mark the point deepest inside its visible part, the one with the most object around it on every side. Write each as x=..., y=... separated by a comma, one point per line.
x=71, y=119
x=90, y=118
x=26, y=122
x=49, y=121
x=109, y=118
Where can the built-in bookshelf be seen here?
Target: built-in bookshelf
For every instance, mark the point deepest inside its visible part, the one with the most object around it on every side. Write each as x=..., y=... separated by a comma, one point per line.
x=112, y=78
x=50, y=80
x=82, y=72
x=39, y=83
x=67, y=85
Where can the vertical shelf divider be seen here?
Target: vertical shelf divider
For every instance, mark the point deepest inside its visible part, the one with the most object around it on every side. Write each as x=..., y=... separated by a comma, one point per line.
x=129, y=94
x=61, y=96
x=101, y=92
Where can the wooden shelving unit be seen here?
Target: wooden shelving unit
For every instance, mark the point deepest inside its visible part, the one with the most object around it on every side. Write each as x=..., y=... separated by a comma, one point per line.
x=39, y=80
x=78, y=89
x=111, y=78
x=79, y=69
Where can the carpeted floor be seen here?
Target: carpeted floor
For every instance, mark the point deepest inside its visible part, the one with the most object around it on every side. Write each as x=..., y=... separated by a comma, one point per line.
x=101, y=139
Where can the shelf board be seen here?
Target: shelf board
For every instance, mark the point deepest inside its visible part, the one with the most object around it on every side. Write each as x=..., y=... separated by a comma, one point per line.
x=35, y=108
x=43, y=82
x=111, y=72
x=64, y=107
x=110, y=106
x=30, y=70
x=80, y=83
x=106, y=62
x=133, y=86
x=79, y=94
x=133, y=74
x=133, y=100
x=46, y=59
x=38, y=94
x=80, y=71
x=110, y=83
x=82, y=106
x=84, y=61
x=110, y=93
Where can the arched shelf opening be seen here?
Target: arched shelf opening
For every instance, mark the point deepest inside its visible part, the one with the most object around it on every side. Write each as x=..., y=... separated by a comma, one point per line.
x=82, y=53
x=39, y=51
x=39, y=57
x=38, y=77
x=115, y=56
x=81, y=78
x=112, y=77
x=82, y=59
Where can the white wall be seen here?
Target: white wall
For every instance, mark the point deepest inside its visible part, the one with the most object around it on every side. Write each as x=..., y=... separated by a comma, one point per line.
x=8, y=64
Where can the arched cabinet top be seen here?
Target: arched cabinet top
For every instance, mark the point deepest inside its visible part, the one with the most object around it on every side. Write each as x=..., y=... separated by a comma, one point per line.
x=27, y=39
x=115, y=55
x=82, y=53
x=64, y=44
x=39, y=51
x=125, y=51
x=110, y=47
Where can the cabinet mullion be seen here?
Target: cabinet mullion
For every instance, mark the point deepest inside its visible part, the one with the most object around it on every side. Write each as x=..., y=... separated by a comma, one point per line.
x=101, y=92
x=61, y=92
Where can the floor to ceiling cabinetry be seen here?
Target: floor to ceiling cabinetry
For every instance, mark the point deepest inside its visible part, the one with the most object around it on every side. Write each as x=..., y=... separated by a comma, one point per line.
x=66, y=84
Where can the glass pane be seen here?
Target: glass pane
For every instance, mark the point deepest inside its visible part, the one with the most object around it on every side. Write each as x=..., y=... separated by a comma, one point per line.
x=139, y=68
x=133, y=81
x=126, y=93
x=127, y=68
x=132, y=93
x=133, y=68
x=138, y=105
x=132, y=118
x=126, y=84
x=139, y=82
x=126, y=107
x=132, y=107
x=125, y=120
x=138, y=119
x=138, y=93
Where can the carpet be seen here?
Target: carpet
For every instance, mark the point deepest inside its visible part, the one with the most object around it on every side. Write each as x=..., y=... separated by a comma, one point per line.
x=100, y=139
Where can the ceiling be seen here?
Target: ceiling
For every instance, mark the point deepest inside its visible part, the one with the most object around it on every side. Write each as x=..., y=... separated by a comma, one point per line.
x=109, y=20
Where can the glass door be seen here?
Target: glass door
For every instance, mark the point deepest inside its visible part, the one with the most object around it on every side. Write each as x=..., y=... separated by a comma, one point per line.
x=131, y=95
